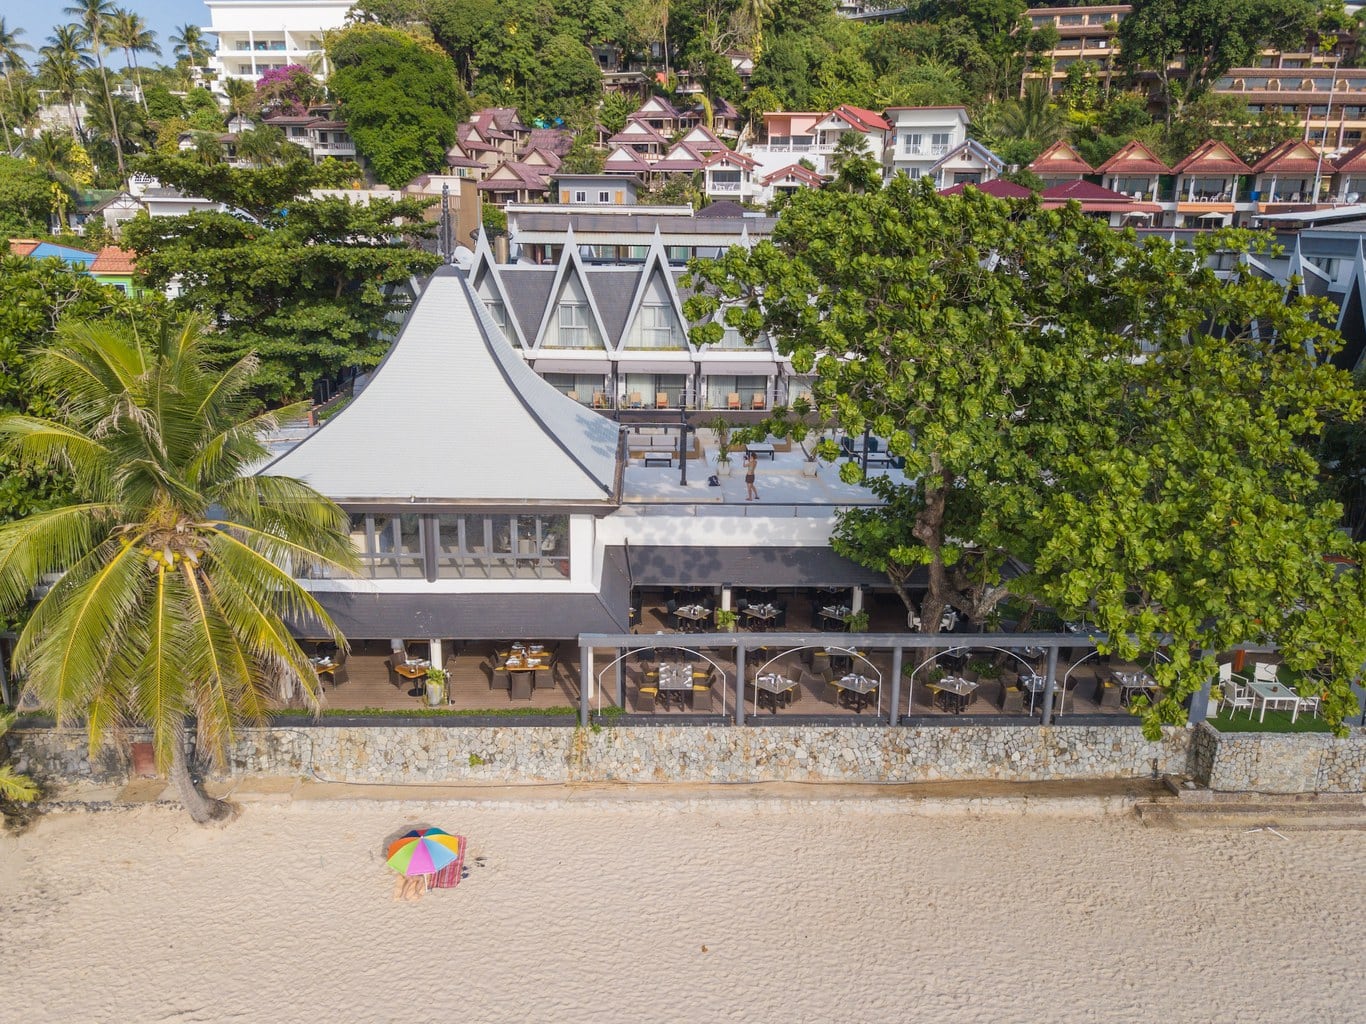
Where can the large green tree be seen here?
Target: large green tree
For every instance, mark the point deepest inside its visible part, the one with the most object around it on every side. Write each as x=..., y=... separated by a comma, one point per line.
x=1190, y=43
x=309, y=285
x=171, y=606
x=400, y=99
x=1066, y=396
x=25, y=199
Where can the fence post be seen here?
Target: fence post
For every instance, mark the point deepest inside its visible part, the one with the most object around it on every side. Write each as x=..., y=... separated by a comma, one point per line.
x=892, y=715
x=585, y=684
x=739, y=684
x=1048, y=686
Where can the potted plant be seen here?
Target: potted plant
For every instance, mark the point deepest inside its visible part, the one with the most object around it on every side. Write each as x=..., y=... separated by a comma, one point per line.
x=857, y=621
x=721, y=428
x=726, y=620
x=436, y=686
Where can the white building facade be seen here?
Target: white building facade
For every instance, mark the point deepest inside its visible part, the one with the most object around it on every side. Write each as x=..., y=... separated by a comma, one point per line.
x=256, y=36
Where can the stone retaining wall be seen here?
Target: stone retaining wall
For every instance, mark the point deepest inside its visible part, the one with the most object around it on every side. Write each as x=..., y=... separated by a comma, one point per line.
x=1263, y=762
x=1237, y=762
x=404, y=754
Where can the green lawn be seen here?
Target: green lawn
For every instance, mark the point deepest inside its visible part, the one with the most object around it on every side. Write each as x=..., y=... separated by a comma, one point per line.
x=1276, y=721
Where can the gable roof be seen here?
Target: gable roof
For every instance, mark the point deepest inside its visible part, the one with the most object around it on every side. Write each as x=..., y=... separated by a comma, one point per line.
x=1134, y=158
x=114, y=260
x=1061, y=158
x=624, y=160
x=1353, y=160
x=799, y=171
x=513, y=172
x=1212, y=157
x=1294, y=156
x=23, y=246
x=861, y=119
x=1094, y=198
x=634, y=132
x=741, y=160
x=998, y=187
x=972, y=149
x=454, y=414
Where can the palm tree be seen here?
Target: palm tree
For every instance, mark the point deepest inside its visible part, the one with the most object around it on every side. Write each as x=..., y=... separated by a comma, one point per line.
x=207, y=149
x=130, y=33
x=1034, y=117
x=262, y=145
x=14, y=786
x=188, y=45
x=10, y=48
x=241, y=96
x=753, y=14
x=62, y=61
x=173, y=598
x=95, y=17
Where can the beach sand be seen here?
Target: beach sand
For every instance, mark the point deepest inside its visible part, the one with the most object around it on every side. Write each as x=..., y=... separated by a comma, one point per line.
x=760, y=910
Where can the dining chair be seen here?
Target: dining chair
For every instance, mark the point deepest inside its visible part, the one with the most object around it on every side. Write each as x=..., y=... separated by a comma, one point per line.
x=634, y=400
x=733, y=400
x=1012, y=699
x=395, y=680
x=1263, y=672
x=661, y=400
x=757, y=402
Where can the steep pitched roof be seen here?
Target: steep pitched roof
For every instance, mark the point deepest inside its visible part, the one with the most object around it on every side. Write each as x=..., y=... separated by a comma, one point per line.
x=624, y=160
x=1134, y=158
x=1061, y=158
x=1353, y=160
x=972, y=150
x=551, y=140
x=858, y=117
x=1212, y=157
x=1294, y=156
x=635, y=132
x=23, y=246
x=113, y=260
x=513, y=172
x=801, y=172
x=454, y=414
x=1094, y=198
x=998, y=187
x=741, y=160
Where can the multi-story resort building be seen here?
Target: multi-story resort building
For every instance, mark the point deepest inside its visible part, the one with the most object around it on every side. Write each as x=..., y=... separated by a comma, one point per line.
x=256, y=36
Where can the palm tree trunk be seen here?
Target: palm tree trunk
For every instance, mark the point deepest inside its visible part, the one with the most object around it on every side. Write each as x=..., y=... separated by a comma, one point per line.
x=202, y=808
x=109, y=104
x=137, y=74
x=75, y=119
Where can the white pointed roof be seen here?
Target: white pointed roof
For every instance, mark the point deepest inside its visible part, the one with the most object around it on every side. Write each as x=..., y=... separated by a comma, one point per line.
x=453, y=414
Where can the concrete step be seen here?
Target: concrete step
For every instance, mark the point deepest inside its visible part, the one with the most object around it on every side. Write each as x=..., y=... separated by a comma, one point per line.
x=1206, y=809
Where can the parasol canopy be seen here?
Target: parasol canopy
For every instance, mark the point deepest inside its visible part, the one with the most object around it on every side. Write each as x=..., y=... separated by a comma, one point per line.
x=423, y=851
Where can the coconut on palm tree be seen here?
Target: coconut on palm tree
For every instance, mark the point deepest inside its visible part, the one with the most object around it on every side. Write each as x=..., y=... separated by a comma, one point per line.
x=60, y=67
x=177, y=566
x=130, y=34
x=10, y=60
x=96, y=17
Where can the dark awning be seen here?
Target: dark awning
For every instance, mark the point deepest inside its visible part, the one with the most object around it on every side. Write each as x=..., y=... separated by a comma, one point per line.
x=658, y=566
x=419, y=616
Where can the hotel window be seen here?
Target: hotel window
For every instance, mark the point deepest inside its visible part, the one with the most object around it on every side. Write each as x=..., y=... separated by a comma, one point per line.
x=390, y=547
x=604, y=197
x=659, y=327
x=576, y=325
x=501, y=547
x=499, y=314
x=580, y=197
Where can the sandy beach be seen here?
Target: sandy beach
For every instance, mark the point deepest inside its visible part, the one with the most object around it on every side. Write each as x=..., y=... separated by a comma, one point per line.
x=678, y=910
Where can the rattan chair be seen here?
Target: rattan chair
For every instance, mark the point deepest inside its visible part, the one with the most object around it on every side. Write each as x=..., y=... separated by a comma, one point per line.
x=1012, y=699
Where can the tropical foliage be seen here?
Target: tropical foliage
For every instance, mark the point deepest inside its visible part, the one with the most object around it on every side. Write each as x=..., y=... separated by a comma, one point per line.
x=172, y=605
x=312, y=286
x=1023, y=363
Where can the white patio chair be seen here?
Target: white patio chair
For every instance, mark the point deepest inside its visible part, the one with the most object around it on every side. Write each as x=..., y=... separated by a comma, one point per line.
x=1236, y=693
x=1264, y=673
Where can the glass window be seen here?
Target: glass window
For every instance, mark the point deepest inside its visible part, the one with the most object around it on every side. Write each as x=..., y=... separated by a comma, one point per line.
x=604, y=197
x=391, y=547
x=575, y=325
x=580, y=197
x=502, y=547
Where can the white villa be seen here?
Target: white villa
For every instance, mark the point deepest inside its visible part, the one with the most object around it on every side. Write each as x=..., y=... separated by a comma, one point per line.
x=256, y=36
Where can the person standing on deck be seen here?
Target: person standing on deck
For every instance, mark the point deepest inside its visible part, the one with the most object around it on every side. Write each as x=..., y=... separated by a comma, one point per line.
x=751, y=464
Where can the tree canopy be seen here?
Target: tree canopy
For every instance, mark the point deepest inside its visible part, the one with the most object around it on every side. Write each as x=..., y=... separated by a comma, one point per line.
x=399, y=97
x=1023, y=362
x=309, y=285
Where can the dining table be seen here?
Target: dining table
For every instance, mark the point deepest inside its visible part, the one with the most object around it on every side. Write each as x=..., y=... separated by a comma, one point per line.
x=414, y=669
x=1132, y=683
x=693, y=614
x=675, y=683
x=764, y=613
x=773, y=690
x=833, y=615
x=856, y=691
x=1274, y=695
x=953, y=693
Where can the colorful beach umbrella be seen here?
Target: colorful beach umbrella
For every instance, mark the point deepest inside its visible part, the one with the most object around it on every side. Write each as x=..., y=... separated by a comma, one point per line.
x=423, y=851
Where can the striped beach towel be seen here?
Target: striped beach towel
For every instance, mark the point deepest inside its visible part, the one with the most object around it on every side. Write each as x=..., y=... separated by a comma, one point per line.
x=449, y=876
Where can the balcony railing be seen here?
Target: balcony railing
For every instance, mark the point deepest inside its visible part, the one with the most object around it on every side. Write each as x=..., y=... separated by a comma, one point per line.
x=723, y=186
x=926, y=150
